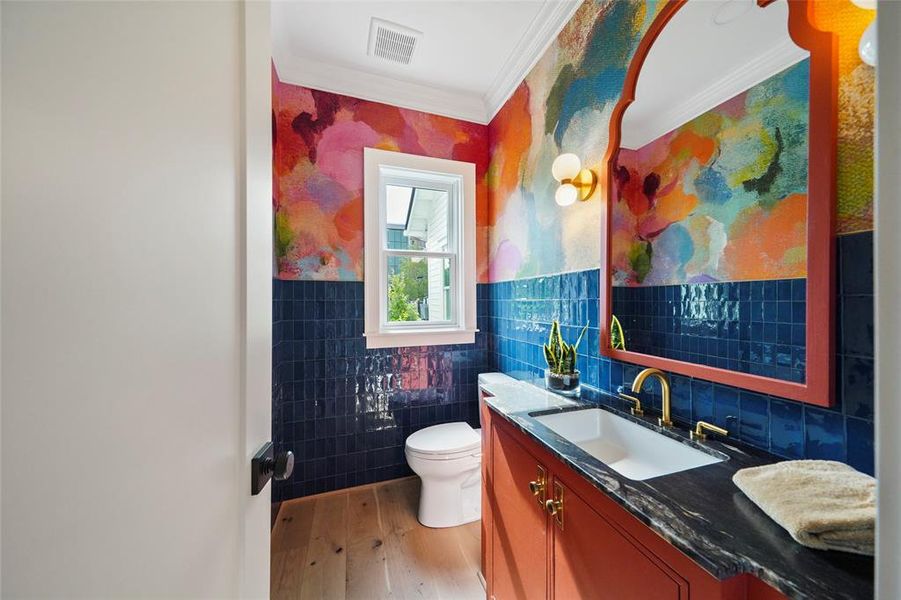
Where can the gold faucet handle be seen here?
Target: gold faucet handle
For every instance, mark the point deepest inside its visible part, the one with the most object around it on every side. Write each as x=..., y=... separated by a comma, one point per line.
x=636, y=410
x=698, y=433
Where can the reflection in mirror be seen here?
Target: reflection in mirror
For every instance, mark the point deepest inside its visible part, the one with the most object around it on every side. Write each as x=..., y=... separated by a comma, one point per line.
x=709, y=216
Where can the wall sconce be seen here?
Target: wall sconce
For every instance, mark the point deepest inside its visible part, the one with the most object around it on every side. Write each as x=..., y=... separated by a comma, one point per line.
x=575, y=182
x=867, y=46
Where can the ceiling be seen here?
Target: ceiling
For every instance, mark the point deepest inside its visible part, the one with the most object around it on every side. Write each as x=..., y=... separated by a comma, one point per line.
x=709, y=52
x=471, y=56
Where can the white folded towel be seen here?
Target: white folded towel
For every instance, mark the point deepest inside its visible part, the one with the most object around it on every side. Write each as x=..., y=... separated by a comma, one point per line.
x=823, y=504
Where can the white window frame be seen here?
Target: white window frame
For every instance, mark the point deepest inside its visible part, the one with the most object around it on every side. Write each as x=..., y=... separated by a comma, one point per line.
x=381, y=168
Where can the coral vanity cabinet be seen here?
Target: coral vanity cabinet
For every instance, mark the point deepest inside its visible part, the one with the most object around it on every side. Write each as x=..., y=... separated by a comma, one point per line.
x=547, y=533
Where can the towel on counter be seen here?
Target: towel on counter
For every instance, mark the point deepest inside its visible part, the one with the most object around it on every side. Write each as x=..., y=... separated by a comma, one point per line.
x=823, y=504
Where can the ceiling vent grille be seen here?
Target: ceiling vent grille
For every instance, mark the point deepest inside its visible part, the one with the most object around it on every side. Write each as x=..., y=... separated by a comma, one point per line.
x=391, y=41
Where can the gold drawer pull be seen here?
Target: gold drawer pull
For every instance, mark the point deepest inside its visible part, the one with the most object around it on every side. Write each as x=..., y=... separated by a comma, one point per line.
x=538, y=486
x=554, y=507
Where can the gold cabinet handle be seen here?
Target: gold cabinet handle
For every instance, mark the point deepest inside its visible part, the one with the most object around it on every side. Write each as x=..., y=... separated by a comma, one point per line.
x=554, y=506
x=538, y=486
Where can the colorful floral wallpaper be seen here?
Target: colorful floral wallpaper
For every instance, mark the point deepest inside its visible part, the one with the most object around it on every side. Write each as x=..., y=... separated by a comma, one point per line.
x=721, y=198
x=318, y=171
x=564, y=105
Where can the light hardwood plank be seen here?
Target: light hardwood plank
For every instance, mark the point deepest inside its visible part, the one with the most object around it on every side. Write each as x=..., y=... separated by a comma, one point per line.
x=366, y=544
x=399, y=504
x=469, y=537
x=367, y=568
x=290, y=540
x=325, y=570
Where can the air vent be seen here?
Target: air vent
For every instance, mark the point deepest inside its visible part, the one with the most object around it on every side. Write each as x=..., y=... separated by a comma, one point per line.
x=391, y=41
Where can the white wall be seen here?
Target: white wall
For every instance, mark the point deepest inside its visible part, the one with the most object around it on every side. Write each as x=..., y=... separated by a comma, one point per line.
x=123, y=441
x=888, y=299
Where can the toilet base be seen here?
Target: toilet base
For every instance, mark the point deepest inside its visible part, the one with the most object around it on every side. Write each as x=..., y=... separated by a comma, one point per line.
x=449, y=503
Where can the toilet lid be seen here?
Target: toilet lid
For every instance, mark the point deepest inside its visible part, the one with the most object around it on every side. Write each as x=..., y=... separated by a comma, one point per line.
x=447, y=438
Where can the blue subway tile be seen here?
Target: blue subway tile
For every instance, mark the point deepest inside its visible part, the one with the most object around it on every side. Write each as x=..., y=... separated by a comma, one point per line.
x=726, y=411
x=754, y=419
x=860, y=445
x=825, y=434
x=856, y=252
x=680, y=390
x=857, y=379
x=786, y=428
x=702, y=406
x=857, y=325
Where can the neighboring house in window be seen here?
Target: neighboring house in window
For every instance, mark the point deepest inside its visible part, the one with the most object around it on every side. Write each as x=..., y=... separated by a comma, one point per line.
x=420, y=250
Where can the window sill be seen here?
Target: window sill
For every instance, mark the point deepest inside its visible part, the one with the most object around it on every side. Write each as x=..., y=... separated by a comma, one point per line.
x=425, y=337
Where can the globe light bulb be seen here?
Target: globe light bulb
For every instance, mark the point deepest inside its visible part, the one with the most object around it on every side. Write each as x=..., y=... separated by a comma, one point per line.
x=566, y=194
x=865, y=4
x=867, y=46
x=566, y=166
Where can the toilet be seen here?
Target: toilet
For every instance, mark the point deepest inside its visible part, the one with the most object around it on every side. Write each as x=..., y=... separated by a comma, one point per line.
x=447, y=458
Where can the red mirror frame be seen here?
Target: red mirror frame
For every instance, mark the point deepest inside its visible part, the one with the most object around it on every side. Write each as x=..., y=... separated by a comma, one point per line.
x=818, y=388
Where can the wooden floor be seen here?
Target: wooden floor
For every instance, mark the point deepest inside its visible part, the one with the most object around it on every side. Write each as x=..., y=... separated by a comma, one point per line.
x=365, y=543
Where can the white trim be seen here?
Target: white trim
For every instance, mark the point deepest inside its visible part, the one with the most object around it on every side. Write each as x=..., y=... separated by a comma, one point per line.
x=348, y=81
x=463, y=327
x=887, y=248
x=639, y=131
x=255, y=264
x=544, y=28
x=435, y=337
x=541, y=33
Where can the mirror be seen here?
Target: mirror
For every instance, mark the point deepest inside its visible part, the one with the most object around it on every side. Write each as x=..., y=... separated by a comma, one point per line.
x=718, y=229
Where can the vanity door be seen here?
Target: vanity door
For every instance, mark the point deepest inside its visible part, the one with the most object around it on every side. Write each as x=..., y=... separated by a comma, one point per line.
x=593, y=559
x=519, y=533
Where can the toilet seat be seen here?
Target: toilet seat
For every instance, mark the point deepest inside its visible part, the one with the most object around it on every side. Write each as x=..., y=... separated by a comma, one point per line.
x=474, y=453
x=447, y=441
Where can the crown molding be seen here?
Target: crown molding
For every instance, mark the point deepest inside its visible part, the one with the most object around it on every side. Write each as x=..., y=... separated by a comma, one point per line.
x=761, y=68
x=542, y=31
x=339, y=79
x=348, y=81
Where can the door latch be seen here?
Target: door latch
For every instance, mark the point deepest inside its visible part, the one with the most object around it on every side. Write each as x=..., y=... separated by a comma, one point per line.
x=265, y=465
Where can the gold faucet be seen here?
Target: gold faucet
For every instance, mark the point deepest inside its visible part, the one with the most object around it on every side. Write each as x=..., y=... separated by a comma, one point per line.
x=636, y=410
x=663, y=421
x=698, y=433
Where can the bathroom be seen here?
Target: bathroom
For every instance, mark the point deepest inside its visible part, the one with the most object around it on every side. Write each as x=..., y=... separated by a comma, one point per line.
x=502, y=299
x=347, y=407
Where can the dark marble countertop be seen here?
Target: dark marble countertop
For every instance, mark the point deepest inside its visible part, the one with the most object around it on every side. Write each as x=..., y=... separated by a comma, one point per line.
x=700, y=511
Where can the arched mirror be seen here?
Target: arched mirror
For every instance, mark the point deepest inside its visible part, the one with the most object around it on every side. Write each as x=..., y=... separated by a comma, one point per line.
x=720, y=199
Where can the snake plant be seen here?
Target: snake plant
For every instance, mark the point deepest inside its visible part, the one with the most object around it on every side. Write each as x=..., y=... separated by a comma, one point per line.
x=560, y=356
x=617, y=338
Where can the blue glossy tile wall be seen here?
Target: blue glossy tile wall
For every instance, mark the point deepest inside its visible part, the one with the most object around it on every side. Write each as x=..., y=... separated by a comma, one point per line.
x=519, y=314
x=756, y=327
x=346, y=411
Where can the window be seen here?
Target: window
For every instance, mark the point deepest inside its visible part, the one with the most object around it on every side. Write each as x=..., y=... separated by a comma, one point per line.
x=420, y=280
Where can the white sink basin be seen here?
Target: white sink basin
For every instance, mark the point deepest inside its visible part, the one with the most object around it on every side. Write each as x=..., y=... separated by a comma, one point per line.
x=634, y=451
